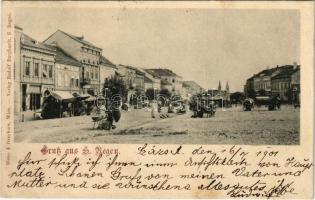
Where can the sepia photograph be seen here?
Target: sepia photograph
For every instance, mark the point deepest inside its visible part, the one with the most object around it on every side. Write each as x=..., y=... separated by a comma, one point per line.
x=175, y=99
x=157, y=75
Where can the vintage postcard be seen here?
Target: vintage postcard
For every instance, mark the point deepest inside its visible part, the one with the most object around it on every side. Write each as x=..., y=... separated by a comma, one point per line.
x=157, y=99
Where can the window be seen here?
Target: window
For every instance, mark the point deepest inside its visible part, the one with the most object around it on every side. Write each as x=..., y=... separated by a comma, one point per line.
x=96, y=74
x=50, y=72
x=77, y=82
x=45, y=70
x=36, y=69
x=72, y=82
x=88, y=60
x=92, y=73
x=87, y=74
x=173, y=80
x=27, y=68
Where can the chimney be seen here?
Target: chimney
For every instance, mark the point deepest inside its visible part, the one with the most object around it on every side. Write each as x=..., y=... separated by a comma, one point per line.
x=294, y=65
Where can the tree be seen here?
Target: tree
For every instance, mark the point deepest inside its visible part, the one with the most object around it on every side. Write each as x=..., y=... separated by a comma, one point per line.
x=115, y=86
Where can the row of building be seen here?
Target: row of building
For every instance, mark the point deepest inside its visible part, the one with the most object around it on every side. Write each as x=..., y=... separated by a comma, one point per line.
x=64, y=62
x=281, y=81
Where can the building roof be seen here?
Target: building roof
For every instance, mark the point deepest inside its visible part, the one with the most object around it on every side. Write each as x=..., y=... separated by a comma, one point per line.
x=78, y=39
x=104, y=60
x=162, y=72
x=133, y=68
x=28, y=41
x=64, y=58
x=191, y=84
x=152, y=73
x=286, y=73
x=148, y=75
x=269, y=72
x=119, y=74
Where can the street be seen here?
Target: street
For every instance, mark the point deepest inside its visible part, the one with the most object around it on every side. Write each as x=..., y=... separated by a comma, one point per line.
x=229, y=126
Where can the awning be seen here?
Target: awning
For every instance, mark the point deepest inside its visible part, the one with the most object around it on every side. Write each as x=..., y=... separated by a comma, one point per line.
x=81, y=96
x=84, y=96
x=91, y=98
x=63, y=96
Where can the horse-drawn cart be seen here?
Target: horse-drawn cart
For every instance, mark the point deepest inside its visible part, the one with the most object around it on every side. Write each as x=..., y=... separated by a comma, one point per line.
x=271, y=102
x=201, y=105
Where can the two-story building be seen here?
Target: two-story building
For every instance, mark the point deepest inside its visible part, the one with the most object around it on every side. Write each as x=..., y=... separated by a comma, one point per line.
x=86, y=53
x=169, y=80
x=128, y=74
x=262, y=81
x=67, y=71
x=107, y=70
x=282, y=81
x=133, y=78
x=34, y=69
x=151, y=81
x=282, y=84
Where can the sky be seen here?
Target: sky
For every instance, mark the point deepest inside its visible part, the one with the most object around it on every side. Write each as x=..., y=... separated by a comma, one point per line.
x=203, y=45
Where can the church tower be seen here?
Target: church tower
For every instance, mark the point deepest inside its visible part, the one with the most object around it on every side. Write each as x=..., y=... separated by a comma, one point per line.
x=227, y=91
x=219, y=86
x=227, y=87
